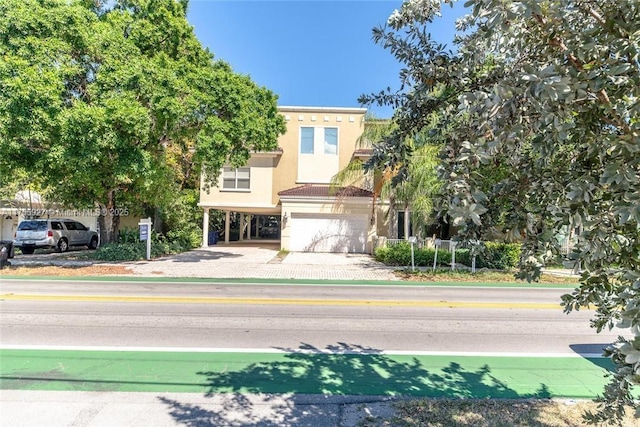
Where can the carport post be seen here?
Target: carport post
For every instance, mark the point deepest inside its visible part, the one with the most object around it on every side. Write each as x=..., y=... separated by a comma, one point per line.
x=205, y=228
x=227, y=225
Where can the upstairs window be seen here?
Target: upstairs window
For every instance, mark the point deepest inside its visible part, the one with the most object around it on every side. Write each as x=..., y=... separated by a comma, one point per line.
x=319, y=140
x=306, y=140
x=331, y=141
x=236, y=178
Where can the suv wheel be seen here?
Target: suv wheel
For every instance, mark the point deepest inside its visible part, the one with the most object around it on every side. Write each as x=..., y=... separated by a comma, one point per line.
x=93, y=244
x=63, y=245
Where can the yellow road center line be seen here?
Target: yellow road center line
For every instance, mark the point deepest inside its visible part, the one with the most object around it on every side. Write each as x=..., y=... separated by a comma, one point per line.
x=279, y=301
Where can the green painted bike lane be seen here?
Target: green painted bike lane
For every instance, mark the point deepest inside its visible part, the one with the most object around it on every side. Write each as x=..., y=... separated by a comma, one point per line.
x=301, y=372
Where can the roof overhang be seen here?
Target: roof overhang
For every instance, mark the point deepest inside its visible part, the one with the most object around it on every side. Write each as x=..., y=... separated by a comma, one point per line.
x=245, y=209
x=267, y=154
x=341, y=110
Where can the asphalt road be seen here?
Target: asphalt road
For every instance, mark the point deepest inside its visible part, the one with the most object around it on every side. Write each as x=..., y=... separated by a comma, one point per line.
x=292, y=316
x=218, y=353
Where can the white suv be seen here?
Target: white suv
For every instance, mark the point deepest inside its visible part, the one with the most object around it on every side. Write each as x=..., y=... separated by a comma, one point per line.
x=53, y=233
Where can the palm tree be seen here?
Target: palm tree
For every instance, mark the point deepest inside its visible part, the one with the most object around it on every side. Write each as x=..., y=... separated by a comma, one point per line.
x=414, y=193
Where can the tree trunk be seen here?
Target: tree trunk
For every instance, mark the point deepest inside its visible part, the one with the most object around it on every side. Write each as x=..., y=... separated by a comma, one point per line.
x=109, y=219
x=393, y=218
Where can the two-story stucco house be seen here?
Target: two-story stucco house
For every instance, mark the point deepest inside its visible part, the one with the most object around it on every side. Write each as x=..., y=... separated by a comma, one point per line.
x=285, y=194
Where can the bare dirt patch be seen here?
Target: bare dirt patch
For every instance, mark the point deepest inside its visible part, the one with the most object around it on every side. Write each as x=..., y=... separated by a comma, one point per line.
x=490, y=413
x=47, y=270
x=481, y=277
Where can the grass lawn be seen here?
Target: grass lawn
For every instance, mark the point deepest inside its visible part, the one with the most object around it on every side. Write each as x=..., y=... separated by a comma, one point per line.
x=483, y=276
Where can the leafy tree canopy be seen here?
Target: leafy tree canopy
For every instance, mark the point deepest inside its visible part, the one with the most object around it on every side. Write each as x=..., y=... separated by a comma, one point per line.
x=540, y=103
x=98, y=99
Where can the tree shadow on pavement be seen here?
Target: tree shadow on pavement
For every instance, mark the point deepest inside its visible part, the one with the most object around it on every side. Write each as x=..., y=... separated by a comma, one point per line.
x=199, y=255
x=340, y=370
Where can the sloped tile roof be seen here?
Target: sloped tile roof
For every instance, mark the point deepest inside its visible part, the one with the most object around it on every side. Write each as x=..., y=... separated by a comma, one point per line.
x=310, y=190
x=363, y=152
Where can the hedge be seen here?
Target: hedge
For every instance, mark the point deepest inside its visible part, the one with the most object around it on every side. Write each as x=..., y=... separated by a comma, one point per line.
x=130, y=248
x=493, y=255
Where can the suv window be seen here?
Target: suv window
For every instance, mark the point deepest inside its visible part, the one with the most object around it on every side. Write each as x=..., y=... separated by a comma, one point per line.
x=33, y=226
x=70, y=225
x=55, y=225
x=80, y=226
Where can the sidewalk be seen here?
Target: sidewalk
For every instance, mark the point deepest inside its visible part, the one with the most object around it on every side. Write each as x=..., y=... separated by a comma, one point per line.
x=29, y=408
x=241, y=261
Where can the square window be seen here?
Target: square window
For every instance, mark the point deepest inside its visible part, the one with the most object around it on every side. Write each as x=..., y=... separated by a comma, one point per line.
x=236, y=179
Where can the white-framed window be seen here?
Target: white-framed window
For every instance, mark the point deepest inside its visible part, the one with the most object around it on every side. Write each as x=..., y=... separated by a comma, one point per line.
x=306, y=140
x=236, y=178
x=327, y=136
x=331, y=141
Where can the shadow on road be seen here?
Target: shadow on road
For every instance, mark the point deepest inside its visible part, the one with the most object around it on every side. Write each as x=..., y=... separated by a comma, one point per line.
x=200, y=255
x=594, y=354
x=340, y=370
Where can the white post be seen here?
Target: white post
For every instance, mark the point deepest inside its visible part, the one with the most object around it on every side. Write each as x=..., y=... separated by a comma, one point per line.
x=241, y=231
x=149, y=241
x=227, y=226
x=453, y=255
x=249, y=227
x=413, y=240
x=205, y=228
x=145, y=234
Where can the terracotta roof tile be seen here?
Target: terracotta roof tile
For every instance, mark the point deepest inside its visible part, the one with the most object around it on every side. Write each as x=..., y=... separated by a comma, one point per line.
x=363, y=152
x=310, y=190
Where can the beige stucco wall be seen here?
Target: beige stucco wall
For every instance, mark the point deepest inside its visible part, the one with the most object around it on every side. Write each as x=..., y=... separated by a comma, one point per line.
x=282, y=171
x=270, y=175
x=350, y=124
x=260, y=193
x=129, y=221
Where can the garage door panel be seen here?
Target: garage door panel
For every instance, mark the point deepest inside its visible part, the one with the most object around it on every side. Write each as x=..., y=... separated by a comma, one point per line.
x=338, y=233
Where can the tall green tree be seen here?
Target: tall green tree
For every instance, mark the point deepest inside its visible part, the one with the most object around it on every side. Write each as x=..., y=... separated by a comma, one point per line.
x=542, y=100
x=96, y=98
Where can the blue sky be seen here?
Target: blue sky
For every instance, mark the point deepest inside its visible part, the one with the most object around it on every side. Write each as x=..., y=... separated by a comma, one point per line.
x=310, y=53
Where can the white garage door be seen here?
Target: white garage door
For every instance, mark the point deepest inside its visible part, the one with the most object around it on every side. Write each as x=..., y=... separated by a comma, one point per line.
x=328, y=233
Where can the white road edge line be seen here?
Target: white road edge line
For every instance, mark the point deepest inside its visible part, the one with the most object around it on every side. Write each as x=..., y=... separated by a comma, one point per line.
x=300, y=351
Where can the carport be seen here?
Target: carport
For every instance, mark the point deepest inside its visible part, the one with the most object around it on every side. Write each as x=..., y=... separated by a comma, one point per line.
x=250, y=223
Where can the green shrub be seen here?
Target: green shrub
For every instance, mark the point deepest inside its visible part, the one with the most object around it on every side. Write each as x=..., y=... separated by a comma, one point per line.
x=187, y=237
x=128, y=235
x=130, y=248
x=121, y=252
x=493, y=255
x=498, y=256
x=400, y=254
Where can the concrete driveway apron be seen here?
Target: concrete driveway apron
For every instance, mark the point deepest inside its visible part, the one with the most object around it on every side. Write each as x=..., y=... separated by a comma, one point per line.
x=261, y=261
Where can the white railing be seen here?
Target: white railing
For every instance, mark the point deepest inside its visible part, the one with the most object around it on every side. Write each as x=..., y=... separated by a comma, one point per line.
x=437, y=244
x=447, y=245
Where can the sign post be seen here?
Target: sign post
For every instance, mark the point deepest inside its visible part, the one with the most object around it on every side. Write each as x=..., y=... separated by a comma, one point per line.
x=145, y=234
x=438, y=243
x=413, y=240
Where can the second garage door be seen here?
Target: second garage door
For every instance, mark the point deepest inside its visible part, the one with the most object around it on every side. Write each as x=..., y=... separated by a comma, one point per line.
x=328, y=233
